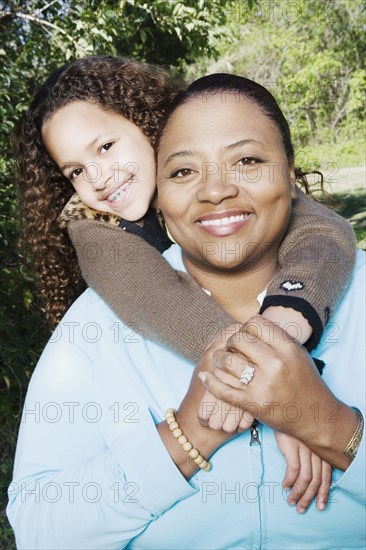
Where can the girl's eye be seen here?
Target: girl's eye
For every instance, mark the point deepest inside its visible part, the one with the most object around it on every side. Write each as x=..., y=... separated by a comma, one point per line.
x=75, y=173
x=248, y=161
x=106, y=146
x=181, y=173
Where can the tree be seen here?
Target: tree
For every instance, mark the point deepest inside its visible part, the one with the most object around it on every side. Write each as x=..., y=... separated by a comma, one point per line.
x=310, y=55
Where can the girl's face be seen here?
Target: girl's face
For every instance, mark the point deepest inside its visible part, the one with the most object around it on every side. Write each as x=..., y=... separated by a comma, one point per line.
x=225, y=185
x=107, y=158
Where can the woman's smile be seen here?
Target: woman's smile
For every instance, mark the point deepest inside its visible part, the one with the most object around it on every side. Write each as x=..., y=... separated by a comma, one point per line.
x=224, y=223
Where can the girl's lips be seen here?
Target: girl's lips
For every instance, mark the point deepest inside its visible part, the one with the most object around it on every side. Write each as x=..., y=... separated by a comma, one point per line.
x=223, y=224
x=119, y=186
x=119, y=194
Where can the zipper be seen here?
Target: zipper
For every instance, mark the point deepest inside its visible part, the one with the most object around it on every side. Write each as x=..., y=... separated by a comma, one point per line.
x=254, y=434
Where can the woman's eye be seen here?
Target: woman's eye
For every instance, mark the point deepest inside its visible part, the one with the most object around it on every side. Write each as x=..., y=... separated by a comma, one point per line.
x=248, y=161
x=75, y=173
x=181, y=173
x=106, y=146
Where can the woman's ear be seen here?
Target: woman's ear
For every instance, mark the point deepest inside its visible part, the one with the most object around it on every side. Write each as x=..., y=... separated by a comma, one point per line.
x=292, y=179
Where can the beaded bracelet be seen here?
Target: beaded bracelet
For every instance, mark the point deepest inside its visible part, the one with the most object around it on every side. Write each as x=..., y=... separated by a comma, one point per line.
x=183, y=441
x=351, y=450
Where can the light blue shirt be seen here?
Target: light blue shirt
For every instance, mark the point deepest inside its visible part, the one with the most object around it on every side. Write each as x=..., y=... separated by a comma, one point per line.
x=92, y=472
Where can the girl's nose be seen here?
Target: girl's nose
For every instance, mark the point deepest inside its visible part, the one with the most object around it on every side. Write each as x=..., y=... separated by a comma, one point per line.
x=97, y=176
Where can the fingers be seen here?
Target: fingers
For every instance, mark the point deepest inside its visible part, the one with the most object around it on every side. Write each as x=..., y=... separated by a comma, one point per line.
x=235, y=362
x=323, y=492
x=259, y=330
x=312, y=478
x=223, y=416
x=245, y=422
x=223, y=391
x=232, y=363
x=305, y=473
x=232, y=420
x=303, y=478
x=217, y=415
x=292, y=471
x=207, y=407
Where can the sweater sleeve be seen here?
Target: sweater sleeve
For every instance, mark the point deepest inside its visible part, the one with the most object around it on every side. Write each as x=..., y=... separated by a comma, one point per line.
x=161, y=304
x=316, y=259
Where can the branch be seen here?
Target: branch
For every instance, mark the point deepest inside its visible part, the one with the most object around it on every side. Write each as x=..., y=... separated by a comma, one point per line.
x=46, y=23
x=47, y=6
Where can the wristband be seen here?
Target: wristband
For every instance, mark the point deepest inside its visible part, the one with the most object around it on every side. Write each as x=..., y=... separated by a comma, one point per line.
x=351, y=450
x=187, y=446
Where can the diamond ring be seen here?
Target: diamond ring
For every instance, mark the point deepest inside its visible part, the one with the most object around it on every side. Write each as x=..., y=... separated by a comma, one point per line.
x=247, y=374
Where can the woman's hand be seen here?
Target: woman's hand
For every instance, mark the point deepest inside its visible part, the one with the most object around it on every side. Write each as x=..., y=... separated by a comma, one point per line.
x=218, y=415
x=286, y=392
x=203, y=438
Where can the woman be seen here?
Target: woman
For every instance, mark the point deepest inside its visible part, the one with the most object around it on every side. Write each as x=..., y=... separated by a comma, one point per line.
x=97, y=465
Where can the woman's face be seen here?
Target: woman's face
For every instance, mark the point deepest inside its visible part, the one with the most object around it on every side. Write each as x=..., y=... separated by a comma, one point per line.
x=225, y=185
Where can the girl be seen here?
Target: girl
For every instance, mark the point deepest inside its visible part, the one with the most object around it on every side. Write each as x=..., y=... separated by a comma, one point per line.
x=91, y=129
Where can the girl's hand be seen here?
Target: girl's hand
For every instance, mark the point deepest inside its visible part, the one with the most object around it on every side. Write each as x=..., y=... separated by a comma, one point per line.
x=307, y=474
x=218, y=415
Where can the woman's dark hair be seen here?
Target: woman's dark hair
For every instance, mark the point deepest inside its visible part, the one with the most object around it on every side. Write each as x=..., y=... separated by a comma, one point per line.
x=222, y=83
x=137, y=91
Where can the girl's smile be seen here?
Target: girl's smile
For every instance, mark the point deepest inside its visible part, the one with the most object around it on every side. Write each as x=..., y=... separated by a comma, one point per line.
x=119, y=194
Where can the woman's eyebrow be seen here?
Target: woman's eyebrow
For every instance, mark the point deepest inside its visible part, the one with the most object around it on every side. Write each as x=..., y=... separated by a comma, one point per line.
x=240, y=143
x=180, y=154
x=227, y=147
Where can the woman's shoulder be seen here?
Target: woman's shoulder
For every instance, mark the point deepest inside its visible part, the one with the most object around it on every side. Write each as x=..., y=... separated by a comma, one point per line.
x=342, y=346
x=354, y=296
x=360, y=260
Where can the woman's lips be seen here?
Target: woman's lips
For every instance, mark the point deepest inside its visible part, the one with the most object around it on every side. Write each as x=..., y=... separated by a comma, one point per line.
x=223, y=224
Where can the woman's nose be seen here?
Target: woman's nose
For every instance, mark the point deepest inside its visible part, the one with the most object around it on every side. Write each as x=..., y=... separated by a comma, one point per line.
x=217, y=185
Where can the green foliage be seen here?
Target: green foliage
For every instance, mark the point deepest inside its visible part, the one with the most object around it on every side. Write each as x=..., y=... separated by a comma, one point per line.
x=310, y=54
x=345, y=152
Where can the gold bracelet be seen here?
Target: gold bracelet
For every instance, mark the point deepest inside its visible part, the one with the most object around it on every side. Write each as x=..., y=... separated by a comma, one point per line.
x=351, y=450
x=187, y=446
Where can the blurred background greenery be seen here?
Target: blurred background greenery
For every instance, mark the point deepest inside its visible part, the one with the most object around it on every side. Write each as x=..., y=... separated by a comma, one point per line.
x=309, y=53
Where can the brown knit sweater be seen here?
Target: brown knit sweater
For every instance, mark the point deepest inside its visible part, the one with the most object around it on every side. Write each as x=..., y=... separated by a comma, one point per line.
x=315, y=259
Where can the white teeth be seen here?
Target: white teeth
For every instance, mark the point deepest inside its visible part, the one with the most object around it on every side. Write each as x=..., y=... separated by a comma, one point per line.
x=225, y=221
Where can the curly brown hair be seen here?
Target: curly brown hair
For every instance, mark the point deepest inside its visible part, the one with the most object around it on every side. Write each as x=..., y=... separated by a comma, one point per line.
x=141, y=93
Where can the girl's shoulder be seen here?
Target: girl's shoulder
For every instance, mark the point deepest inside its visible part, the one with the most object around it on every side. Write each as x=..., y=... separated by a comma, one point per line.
x=75, y=209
